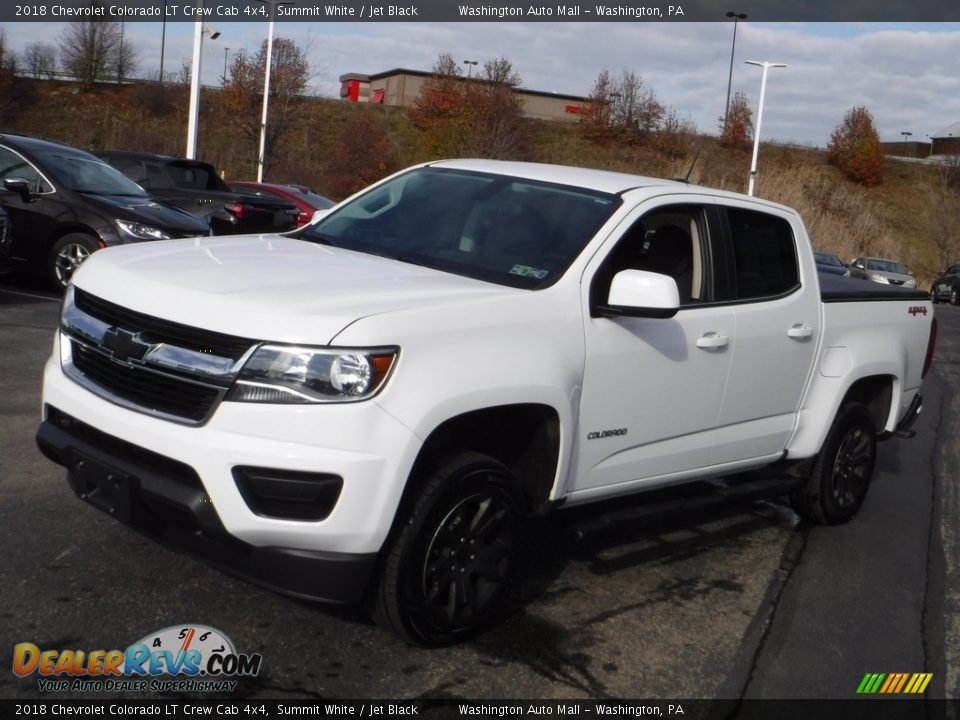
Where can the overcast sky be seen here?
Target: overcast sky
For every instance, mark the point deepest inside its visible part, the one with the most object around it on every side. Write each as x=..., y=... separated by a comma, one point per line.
x=907, y=75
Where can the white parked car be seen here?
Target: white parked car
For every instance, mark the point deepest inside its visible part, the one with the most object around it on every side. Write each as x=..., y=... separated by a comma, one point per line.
x=373, y=409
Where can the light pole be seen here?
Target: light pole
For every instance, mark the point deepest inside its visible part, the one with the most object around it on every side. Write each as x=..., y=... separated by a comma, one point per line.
x=756, y=135
x=194, y=112
x=469, y=64
x=163, y=39
x=226, y=52
x=736, y=16
x=266, y=98
x=906, y=134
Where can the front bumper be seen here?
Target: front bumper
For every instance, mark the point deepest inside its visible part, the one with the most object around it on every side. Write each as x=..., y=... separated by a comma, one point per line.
x=166, y=500
x=177, y=482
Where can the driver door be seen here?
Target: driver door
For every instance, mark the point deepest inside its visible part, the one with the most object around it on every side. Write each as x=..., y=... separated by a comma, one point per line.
x=653, y=388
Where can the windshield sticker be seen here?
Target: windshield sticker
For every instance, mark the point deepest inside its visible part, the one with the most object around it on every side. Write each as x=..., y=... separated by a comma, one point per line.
x=527, y=271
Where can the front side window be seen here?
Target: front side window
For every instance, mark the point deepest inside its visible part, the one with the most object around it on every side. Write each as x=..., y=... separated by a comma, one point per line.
x=502, y=229
x=14, y=166
x=765, y=256
x=670, y=241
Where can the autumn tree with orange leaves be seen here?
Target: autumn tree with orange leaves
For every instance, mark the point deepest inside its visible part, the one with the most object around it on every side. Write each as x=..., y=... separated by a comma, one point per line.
x=855, y=148
x=479, y=116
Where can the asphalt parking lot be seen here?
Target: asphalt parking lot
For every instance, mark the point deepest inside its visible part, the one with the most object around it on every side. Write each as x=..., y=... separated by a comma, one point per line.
x=739, y=601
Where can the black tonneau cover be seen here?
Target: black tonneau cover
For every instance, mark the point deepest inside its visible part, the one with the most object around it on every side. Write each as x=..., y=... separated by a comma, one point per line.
x=836, y=288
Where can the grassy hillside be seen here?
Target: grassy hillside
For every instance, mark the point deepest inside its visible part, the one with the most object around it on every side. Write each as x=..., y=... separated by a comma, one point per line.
x=911, y=216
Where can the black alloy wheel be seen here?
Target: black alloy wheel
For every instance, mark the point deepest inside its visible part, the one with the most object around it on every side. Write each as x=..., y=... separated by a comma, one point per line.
x=842, y=471
x=448, y=568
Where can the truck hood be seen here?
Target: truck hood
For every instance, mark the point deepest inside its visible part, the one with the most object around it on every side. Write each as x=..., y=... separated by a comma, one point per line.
x=267, y=287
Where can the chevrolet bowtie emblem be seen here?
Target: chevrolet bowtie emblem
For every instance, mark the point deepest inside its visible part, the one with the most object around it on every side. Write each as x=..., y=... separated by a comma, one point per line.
x=125, y=345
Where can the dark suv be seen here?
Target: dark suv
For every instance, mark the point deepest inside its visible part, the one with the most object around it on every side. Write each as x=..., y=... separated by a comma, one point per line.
x=194, y=186
x=947, y=286
x=65, y=203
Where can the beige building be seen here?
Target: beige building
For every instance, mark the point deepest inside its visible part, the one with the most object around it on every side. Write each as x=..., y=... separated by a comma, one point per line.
x=401, y=87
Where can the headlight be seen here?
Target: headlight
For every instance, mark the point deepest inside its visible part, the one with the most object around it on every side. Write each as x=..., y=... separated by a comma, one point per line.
x=139, y=231
x=846, y=273
x=290, y=374
x=878, y=278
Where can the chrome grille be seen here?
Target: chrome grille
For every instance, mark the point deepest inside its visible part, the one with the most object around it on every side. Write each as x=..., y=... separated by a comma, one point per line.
x=145, y=363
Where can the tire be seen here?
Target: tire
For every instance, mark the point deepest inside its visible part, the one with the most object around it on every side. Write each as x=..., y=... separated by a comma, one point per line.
x=841, y=473
x=446, y=570
x=66, y=256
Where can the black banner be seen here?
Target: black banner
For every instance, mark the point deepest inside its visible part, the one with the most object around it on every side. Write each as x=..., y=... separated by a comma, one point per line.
x=857, y=709
x=475, y=11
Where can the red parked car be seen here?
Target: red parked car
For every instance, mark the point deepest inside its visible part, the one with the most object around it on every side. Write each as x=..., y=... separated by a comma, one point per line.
x=307, y=201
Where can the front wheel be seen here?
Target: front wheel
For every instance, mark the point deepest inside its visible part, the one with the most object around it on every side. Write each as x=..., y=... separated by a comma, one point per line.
x=66, y=255
x=447, y=569
x=842, y=471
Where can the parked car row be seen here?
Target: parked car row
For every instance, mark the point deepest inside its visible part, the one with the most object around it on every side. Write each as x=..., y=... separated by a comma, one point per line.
x=59, y=204
x=306, y=200
x=194, y=186
x=63, y=204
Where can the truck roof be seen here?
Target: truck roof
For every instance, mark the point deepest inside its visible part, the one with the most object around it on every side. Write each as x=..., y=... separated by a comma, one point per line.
x=599, y=180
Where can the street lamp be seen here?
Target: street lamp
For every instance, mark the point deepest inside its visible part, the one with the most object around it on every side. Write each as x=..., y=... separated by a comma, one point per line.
x=469, y=64
x=736, y=16
x=906, y=134
x=756, y=135
x=194, y=112
x=226, y=52
x=266, y=97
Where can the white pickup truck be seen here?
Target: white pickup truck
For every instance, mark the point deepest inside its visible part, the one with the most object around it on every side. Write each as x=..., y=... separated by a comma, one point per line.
x=369, y=410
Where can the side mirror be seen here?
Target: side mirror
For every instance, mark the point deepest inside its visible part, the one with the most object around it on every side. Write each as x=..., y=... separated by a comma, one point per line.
x=639, y=293
x=19, y=185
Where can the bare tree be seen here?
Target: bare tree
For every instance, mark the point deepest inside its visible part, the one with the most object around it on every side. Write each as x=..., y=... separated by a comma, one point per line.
x=89, y=50
x=123, y=58
x=40, y=59
x=635, y=107
x=242, y=96
x=500, y=71
x=944, y=219
x=446, y=66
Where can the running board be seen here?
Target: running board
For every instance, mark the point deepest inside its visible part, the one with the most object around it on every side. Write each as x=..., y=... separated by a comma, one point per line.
x=659, y=505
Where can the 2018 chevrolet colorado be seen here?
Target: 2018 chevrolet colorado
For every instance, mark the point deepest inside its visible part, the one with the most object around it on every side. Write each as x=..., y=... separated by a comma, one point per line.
x=373, y=408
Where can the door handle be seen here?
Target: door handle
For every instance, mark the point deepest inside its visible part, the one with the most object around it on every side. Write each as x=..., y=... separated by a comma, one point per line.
x=712, y=340
x=800, y=331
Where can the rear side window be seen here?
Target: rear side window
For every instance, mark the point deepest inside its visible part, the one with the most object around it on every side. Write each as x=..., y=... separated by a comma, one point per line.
x=764, y=254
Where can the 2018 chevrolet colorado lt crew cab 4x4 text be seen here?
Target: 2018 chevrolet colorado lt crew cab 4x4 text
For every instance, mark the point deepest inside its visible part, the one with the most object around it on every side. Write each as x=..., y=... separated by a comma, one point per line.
x=370, y=411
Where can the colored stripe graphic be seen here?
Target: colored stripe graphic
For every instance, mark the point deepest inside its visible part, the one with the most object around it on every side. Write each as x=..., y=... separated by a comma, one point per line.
x=894, y=683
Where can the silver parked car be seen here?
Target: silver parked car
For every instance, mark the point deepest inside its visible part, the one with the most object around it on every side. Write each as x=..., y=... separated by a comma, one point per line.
x=881, y=270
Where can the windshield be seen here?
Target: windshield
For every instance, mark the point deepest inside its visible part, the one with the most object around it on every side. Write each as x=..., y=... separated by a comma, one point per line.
x=828, y=259
x=889, y=266
x=503, y=229
x=89, y=175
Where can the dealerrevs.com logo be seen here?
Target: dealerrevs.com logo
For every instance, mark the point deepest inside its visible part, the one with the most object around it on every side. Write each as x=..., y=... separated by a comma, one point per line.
x=180, y=658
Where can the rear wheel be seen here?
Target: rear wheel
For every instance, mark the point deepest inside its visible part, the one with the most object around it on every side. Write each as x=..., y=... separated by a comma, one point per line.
x=446, y=571
x=842, y=471
x=66, y=255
